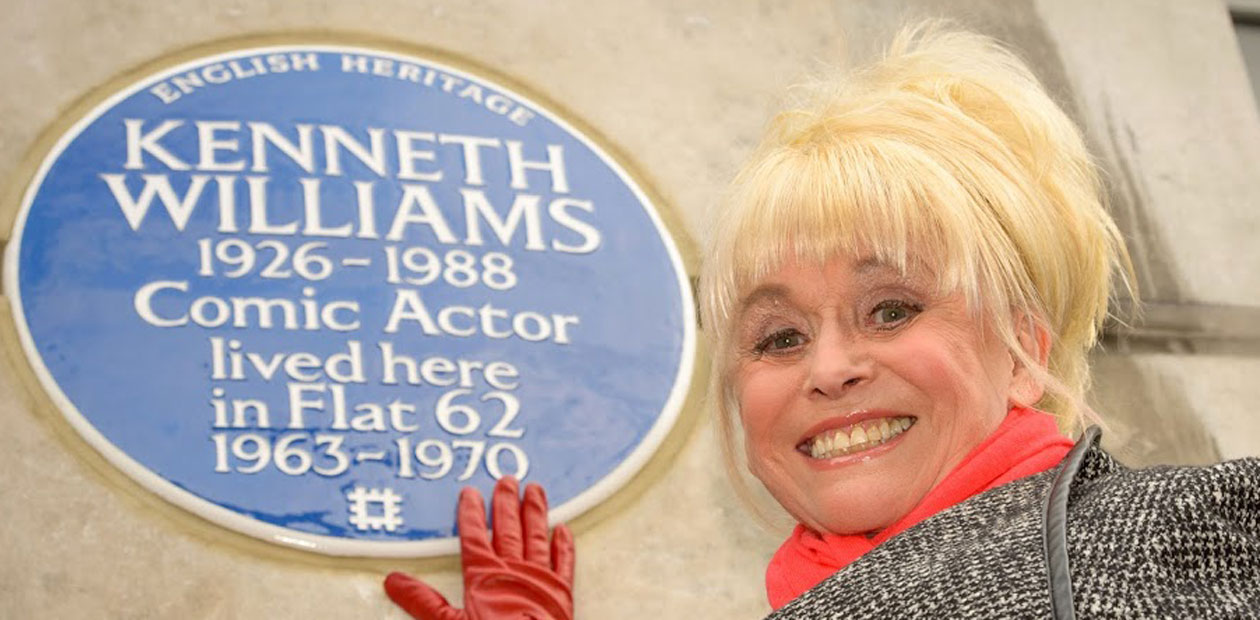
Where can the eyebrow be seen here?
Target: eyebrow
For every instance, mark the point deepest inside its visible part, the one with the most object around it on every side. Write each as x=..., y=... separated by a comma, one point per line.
x=774, y=292
x=873, y=263
x=765, y=292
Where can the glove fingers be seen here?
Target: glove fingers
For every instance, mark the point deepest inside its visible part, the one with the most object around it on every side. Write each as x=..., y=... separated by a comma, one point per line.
x=506, y=511
x=563, y=553
x=534, y=526
x=474, y=540
x=418, y=599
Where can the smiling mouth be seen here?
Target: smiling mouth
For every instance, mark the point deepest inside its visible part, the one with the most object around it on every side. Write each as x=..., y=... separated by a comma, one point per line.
x=848, y=440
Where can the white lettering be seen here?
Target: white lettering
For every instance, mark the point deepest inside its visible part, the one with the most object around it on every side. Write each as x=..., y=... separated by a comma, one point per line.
x=472, y=146
x=554, y=165
x=302, y=153
x=418, y=196
x=336, y=139
x=477, y=208
x=139, y=143
x=211, y=144
x=156, y=185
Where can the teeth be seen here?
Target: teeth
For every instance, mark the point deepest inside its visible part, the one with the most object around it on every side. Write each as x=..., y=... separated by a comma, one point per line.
x=860, y=437
x=842, y=441
x=857, y=436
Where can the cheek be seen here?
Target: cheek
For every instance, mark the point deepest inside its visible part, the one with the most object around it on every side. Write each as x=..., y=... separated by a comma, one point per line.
x=955, y=375
x=764, y=402
x=761, y=396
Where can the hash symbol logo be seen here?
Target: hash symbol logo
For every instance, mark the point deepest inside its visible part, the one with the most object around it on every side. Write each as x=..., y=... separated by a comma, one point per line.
x=386, y=503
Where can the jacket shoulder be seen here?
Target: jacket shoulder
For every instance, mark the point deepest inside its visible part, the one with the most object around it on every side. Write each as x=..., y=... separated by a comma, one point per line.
x=1161, y=541
x=981, y=558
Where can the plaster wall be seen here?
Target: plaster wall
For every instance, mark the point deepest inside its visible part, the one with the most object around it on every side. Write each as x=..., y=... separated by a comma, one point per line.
x=682, y=89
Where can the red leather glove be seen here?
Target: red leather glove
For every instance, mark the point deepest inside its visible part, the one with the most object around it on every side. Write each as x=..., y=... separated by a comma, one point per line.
x=520, y=577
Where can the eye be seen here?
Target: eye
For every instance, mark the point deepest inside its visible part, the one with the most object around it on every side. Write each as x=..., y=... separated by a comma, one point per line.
x=779, y=341
x=890, y=313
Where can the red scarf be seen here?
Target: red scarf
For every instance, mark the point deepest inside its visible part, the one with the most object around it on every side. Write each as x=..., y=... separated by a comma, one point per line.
x=1026, y=443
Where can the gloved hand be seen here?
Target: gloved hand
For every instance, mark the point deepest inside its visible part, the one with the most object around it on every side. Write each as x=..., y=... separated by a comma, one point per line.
x=520, y=577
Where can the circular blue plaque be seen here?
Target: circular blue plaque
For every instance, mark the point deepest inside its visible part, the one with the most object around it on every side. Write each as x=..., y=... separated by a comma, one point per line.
x=309, y=292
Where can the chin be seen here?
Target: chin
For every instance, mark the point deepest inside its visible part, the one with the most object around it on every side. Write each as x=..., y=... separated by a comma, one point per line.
x=855, y=507
x=851, y=520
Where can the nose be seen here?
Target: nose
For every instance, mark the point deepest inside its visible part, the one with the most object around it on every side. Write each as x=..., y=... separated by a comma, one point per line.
x=839, y=363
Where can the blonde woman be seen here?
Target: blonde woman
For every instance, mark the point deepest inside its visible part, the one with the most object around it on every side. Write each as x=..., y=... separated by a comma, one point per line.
x=900, y=294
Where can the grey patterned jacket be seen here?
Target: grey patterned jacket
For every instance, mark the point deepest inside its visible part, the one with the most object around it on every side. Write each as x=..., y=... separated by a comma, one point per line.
x=1087, y=539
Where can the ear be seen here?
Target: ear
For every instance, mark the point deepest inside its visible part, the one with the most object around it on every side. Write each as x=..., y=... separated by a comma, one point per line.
x=1026, y=386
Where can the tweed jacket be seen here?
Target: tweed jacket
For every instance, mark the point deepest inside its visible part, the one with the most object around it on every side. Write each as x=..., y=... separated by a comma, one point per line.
x=1087, y=539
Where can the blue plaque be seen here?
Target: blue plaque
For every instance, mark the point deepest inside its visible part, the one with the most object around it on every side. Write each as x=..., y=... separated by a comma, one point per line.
x=308, y=292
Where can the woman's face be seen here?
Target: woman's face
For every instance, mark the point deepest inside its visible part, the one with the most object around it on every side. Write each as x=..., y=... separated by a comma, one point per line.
x=860, y=389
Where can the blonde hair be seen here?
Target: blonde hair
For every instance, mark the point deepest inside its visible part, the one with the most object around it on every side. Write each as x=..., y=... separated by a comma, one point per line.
x=948, y=152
